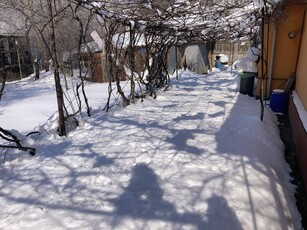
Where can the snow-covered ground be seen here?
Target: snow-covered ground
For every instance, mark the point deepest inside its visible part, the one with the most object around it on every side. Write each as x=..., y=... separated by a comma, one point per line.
x=28, y=103
x=197, y=157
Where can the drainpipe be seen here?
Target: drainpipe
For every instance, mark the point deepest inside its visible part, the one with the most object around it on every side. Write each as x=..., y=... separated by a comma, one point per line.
x=262, y=70
x=272, y=60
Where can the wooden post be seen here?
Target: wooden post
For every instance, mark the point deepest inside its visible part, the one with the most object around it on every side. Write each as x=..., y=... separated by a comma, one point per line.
x=19, y=61
x=132, y=61
x=176, y=47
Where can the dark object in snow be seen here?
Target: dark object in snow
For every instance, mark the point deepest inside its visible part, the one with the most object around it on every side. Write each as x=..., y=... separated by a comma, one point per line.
x=8, y=136
x=247, y=83
x=36, y=69
x=32, y=133
x=218, y=63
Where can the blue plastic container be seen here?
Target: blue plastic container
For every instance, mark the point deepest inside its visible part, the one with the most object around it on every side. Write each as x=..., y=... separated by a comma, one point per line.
x=279, y=101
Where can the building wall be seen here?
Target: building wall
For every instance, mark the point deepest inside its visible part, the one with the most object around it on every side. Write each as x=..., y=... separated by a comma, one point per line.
x=301, y=72
x=97, y=73
x=300, y=139
x=299, y=132
x=290, y=56
x=15, y=53
x=286, y=49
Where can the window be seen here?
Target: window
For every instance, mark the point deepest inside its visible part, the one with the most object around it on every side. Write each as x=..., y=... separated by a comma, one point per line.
x=14, y=59
x=11, y=43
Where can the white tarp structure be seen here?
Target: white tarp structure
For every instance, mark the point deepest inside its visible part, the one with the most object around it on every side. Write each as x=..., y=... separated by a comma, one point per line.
x=196, y=58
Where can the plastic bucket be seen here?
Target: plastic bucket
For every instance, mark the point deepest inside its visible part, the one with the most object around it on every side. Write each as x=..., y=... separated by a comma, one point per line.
x=279, y=101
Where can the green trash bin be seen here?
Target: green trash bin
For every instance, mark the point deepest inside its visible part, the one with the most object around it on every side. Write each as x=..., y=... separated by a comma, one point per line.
x=247, y=82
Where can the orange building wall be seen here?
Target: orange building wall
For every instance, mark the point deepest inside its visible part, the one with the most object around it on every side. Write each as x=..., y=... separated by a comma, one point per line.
x=286, y=49
x=301, y=73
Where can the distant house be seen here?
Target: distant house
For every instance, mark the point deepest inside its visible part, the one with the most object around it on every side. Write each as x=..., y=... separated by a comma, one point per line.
x=90, y=57
x=286, y=42
x=122, y=41
x=15, y=52
x=15, y=56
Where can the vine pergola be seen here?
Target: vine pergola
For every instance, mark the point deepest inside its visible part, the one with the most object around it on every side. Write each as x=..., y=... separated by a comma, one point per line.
x=162, y=24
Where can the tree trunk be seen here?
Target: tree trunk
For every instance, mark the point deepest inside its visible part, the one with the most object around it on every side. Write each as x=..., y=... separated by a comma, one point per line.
x=36, y=69
x=59, y=92
x=132, y=62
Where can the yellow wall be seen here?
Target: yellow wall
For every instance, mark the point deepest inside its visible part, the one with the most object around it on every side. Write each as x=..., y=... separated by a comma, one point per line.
x=301, y=73
x=286, y=49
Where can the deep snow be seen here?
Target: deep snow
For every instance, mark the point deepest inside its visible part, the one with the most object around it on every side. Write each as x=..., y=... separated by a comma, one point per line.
x=197, y=157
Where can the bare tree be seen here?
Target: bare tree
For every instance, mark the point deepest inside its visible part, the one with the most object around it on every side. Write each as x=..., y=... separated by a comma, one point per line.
x=83, y=21
x=51, y=26
x=58, y=87
x=112, y=55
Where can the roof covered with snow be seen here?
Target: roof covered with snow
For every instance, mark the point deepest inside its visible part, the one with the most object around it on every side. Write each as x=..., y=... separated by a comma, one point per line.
x=123, y=39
